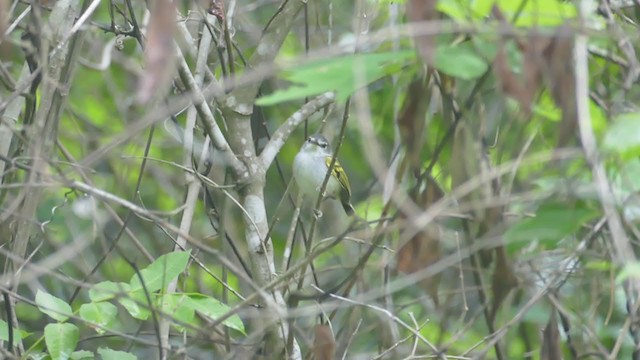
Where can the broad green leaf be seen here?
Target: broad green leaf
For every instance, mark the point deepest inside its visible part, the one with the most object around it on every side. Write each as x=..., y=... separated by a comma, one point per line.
x=598, y=265
x=82, y=354
x=4, y=333
x=101, y=313
x=107, y=290
x=56, y=308
x=213, y=309
x=552, y=223
x=624, y=134
x=159, y=273
x=108, y=354
x=465, y=11
x=136, y=304
x=547, y=109
x=544, y=13
x=343, y=75
x=461, y=61
x=61, y=340
x=178, y=307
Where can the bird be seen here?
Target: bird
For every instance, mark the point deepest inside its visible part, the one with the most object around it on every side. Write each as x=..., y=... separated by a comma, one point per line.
x=310, y=167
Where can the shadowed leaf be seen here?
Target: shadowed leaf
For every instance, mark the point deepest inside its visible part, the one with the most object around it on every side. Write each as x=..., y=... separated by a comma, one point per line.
x=423, y=249
x=216, y=8
x=159, y=51
x=324, y=345
x=551, y=339
x=421, y=11
x=503, y=280
x=411, y=121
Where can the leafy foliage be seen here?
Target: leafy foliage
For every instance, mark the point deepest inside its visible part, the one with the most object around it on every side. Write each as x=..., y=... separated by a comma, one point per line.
x=500, y=198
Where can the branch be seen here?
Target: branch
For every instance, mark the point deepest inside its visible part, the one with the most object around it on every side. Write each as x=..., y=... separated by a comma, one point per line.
x=8, y=121
x=56, y=78
x=193, y=188
x=284, y=131
x=623, y=251
x=206, y=116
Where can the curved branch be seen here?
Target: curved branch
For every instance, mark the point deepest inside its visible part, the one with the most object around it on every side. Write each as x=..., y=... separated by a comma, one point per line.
x=282, y=134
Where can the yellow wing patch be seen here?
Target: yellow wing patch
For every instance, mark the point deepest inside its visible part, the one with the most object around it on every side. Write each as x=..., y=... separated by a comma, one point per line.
x=341, y=175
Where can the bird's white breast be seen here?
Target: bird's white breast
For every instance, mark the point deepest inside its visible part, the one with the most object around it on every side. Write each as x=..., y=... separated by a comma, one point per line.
x=309, y=171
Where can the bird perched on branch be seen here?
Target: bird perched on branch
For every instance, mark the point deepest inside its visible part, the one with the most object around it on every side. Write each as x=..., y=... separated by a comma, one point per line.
x=310, y=167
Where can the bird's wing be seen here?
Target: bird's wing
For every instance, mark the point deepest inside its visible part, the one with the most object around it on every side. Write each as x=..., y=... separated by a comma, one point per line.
x=341, y=175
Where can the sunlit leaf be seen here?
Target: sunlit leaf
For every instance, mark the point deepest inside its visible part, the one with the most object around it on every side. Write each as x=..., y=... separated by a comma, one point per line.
x=464, y=11
x=624, y=134
x=538, y=12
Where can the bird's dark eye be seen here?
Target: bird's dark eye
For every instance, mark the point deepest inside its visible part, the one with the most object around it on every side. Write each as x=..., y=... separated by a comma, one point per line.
x=323, y=145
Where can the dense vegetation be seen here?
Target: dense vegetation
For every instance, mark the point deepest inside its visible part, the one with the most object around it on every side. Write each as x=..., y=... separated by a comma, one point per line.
x=147, y=207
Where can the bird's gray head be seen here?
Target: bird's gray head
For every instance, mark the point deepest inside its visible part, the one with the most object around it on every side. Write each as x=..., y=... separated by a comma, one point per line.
x=316, y=143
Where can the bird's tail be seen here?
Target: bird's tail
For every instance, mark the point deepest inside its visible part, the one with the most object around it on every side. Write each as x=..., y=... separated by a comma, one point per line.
x=348, y=208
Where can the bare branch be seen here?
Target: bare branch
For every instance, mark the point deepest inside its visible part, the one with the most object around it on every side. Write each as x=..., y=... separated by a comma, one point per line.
x=206, y=116
x=281, y=135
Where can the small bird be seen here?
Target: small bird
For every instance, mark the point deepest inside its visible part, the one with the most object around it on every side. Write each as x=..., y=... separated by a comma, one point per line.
x=310, y=167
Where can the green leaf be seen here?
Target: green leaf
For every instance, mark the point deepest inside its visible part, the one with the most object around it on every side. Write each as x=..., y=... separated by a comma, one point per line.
x=178, y=307
x=214, y=309
x=61, y=340
x=136, y=304
x=101, y=313
x=343, y=75
x=108, y=354
x=598, y=265
x=545, y=13
x=159, y=273
x=461, y=61
x=82, y=354
x=552, y=223
x=624, y=135
x=464, y=11
x=56, y=308
x=17, y=335
x=107, y=290
x=38, y=356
